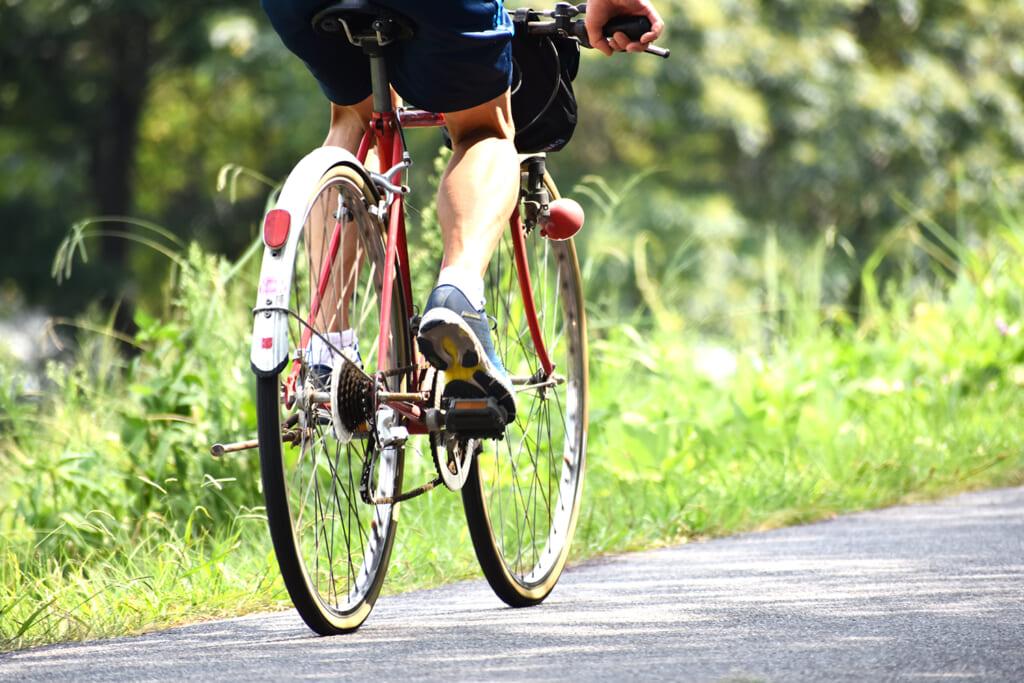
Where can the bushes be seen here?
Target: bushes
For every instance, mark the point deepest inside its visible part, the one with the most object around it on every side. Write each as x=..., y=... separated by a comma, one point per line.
x=108, y=470
x=771, y=406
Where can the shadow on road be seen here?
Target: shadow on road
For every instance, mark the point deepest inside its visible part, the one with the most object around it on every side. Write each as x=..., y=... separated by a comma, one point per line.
x=906, y=593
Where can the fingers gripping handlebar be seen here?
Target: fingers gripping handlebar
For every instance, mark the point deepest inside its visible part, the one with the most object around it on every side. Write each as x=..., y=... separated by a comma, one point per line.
x=564, y=22
x=634, y=27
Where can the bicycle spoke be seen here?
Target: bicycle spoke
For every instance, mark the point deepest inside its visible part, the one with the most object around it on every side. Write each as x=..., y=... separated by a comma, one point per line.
x=523, y=494
x=332, y=548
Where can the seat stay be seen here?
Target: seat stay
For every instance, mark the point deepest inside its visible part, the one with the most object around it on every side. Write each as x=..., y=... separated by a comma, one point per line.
x=384, y=134
x=526, y=289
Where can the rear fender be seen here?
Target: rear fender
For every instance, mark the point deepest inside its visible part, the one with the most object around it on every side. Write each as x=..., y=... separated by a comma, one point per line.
x=269, y=351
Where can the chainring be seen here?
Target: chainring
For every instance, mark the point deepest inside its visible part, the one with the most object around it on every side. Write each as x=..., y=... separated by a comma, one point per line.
x=453, y=467
x=459, y=455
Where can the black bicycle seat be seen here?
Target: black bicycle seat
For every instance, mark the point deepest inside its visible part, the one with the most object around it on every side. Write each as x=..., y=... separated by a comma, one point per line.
x=363, y=23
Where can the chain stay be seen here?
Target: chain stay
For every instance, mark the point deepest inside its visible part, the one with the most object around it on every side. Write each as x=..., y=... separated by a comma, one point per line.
x=393, y=436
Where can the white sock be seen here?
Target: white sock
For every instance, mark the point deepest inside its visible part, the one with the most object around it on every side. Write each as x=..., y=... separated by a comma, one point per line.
x=321, y=354
x=470, y=284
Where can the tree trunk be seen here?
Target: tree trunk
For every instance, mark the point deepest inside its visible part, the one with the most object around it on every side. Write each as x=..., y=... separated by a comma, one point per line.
x=127, y=53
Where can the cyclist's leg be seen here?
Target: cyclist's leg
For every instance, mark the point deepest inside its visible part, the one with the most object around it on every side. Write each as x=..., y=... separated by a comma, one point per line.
x=480, y=186
x=477, y=195
x=522, y=495
x=348, y=124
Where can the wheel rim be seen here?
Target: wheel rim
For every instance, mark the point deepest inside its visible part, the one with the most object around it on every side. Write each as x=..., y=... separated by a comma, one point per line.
x=335, y=547
x=524, y=491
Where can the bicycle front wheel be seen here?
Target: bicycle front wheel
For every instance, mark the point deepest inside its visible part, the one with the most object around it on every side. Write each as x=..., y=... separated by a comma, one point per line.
x=324, y=475
x=522, y=496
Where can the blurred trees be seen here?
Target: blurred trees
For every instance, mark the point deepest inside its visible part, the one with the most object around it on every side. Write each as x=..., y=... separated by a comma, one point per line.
x=104, y=107
x=815, y=116
x=800, y=118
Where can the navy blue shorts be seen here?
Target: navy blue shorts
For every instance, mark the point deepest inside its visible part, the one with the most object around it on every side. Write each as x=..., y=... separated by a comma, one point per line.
x=460, y=56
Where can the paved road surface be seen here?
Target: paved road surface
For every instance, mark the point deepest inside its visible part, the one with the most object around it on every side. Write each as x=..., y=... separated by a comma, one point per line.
x=922, y=593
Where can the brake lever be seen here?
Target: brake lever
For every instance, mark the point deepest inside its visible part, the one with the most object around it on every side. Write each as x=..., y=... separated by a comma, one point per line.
x=658, y=51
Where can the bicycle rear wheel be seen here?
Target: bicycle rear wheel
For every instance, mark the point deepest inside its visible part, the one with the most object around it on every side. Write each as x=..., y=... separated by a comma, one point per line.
x=321, y=465
x=522, y=495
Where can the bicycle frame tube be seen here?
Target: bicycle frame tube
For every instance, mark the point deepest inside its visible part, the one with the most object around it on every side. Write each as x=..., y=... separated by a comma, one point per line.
x=383, y=135
x=318, y=297
x=526, y=287
x=325, y=270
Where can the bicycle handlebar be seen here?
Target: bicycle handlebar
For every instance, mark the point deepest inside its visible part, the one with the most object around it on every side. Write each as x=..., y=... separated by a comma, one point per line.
x=564, y=23
x=634, y=27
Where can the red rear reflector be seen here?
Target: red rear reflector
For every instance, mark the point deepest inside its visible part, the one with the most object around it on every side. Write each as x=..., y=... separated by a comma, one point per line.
x=275, y=228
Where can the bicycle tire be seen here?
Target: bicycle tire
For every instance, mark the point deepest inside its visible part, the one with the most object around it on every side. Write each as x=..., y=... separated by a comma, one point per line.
x=523, y=492
x=332, y=547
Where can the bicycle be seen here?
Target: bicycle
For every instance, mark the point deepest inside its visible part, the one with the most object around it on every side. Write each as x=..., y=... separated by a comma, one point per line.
x=332, y=436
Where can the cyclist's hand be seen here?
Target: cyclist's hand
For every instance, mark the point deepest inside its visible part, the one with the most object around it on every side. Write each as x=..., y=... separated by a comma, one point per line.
x=599, y=12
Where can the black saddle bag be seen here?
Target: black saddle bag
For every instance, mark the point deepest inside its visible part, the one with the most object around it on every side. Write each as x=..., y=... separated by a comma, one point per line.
x=543, y=102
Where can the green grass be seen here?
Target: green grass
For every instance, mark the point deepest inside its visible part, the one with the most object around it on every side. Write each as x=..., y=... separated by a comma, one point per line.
x=779, y=408
x=758, y=401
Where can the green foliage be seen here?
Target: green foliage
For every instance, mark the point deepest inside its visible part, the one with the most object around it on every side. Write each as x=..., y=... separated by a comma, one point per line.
x=800, y=118
x=804, y=258
x=115, y=519
x=127, y=108
x=812, y=117
x=107, y=469
x=810, y=414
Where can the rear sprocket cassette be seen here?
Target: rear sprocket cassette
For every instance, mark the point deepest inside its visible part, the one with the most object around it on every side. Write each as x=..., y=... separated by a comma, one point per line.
x=352, y=400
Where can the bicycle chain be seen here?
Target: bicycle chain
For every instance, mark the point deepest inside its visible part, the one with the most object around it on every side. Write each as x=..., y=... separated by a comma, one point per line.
x=369, y=410
x=370, y=463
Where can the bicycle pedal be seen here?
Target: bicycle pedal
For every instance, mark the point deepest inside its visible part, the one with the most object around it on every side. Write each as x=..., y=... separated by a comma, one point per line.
x=475, y=418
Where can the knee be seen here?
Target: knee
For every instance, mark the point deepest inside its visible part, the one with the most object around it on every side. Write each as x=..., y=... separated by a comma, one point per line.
x=464, y=138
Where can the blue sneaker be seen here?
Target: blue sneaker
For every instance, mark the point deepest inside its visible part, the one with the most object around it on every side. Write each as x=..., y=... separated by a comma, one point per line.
x=456, y=338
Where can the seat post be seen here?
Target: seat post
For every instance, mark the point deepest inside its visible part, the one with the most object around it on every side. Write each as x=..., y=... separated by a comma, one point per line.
x=370, y=28
x=379, y=81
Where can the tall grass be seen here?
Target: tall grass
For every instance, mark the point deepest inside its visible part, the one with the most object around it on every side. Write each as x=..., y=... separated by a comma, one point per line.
x=789, y=407
x=113, y=514
x=754, y=401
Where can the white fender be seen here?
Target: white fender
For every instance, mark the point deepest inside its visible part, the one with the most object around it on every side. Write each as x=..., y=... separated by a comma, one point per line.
x=270, y=321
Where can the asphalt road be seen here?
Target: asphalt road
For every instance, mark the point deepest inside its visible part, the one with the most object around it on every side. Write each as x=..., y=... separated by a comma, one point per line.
x=913, y=593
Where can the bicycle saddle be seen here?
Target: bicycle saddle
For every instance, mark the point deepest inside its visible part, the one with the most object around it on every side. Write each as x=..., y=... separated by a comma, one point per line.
x=364, y=23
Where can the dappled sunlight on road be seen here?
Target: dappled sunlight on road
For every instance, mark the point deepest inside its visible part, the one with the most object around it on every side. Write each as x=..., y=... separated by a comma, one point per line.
x=928, y=591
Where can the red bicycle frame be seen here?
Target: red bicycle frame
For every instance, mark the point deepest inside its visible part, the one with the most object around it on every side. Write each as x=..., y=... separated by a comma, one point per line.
x=384, y=135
